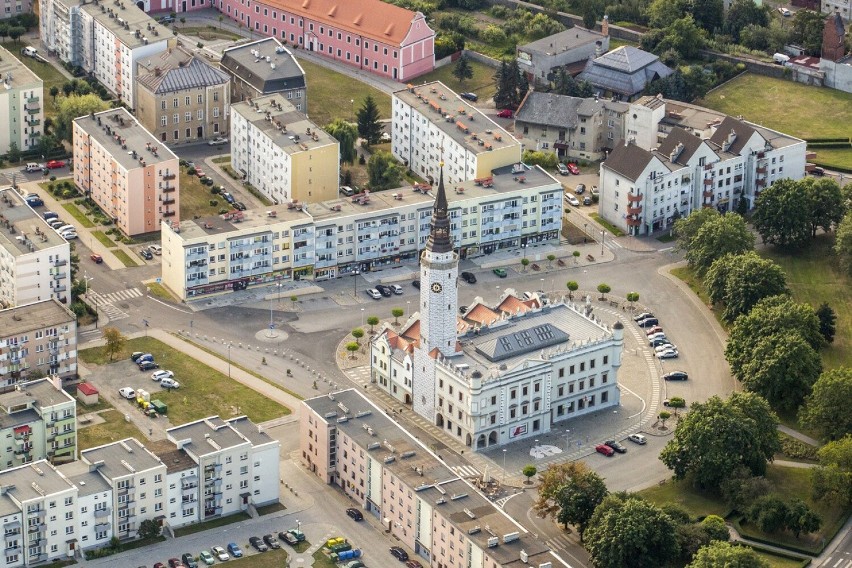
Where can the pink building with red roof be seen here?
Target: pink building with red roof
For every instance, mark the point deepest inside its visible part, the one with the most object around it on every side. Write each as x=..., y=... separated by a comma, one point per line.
x=368, y=34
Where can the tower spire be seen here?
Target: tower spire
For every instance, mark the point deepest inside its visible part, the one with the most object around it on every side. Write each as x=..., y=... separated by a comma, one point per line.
x=439, y=237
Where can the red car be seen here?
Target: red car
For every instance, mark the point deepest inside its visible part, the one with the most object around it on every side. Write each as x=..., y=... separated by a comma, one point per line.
x=605, y=450
x=54, y=164
x=572, y=167
x=505, y=113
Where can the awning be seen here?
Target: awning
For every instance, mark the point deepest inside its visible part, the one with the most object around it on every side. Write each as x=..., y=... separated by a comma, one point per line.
x=560, y=145
x=19, y=429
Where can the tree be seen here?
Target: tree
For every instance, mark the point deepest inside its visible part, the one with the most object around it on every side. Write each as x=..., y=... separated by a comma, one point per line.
x=769, y=513
x=383, y=171
x=578, y=497
x=572, y=287
x=529, y=471
x=827, y=322
x=54, y=90
x=550, y=259
x=843, y=243
x=742, y=13
x=741, y=489
x=358, y=333
x=15, y=32
x=727, y=555
x=566, y=84
x=663, y=416
x=782, y=214
x=827, y=407
x=352, y=347
x=149, y=528
x=801, y=519
x=632, y=297
x=372, y=321
x=832, y=480
x=827, y=206
x=710, y=236
x=346, y=135
x=113, y=341
x=74, y=106
x=14, y=153
x=368, y=117
x=709, y=14
x=590, y=16
x=511, y=85
x=684, y=37
x=68, y=88
x=550, y=486
x=397, y=313
x=525, y=262
x=739, y=281
x=782, y=369
x=716, y=528
x=677, y=403
x=807, y=27
x=662, y=13
x=630, y=533
x=462, y=69
x=718, y=436
x=604, y=289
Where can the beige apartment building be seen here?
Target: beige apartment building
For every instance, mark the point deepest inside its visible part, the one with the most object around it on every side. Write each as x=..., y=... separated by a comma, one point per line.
x=37, y=339
x=180, y=98
x=21, y=100
x=130, y=174
x=347, y=441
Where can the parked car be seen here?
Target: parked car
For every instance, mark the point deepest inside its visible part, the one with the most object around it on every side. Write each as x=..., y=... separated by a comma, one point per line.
x=55, y=164
x=189, y=560
x=657, y=341
x=416, y=283
x=166, y=20
x=580, y=189
x=616, y=446
x=676, y=376
x=384, y=290
x=146, y=254
x=164, y=374
x=347, y=191
x=469, y=277
x=587, y=200
x=652, y=330
x=397, y=289
x=817, y=171
x=288, y=538
x=148, y=366
x=33, y=167
x=668, y=354
x=68, y=235
x=258, y=544
x=595, y=190
x=206, y=557
x=643, y=315
x=219, y=553
x=175, y=563
x=156, y=249
x=355, y=514
x=96, y=258
x=159, y=565
x=650, y=322
x=500, y=272
x=785, y=12
x=144, y=357
x=239, y=206
x=413, y=564
x=572, y=200
x=355, y=564
x=136, y=355
x=562, y=169
x=218, y=141
x=65, y=228
x=206, y=180
x=664, y=347
x=168, y=383
x=637, y=439
x=399, y=553
x=572, y=167
x=127, y=393
x=234, y=550
x=227, y=197
x=48, y=215
x=506, y=113
x=55, y=223
x=605, y=450
x=271, y=541
x=299, y=535
x=472, y=97
x=33, y=200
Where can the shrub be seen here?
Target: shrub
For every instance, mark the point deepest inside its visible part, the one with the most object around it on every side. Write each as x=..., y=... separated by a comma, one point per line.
x=213, y=203
x=797, y=449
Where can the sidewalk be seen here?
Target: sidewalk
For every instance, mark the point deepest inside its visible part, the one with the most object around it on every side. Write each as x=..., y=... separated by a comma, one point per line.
x=798, y=435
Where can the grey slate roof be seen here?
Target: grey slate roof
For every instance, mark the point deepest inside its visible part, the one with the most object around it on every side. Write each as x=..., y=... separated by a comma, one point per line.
x=625, y=70
x=256, y=71
x=562, y=41
x=178, y=70
x=520, y=341
x=742, y=130
x=678, y=135
x=549, y=109
x=629, y=160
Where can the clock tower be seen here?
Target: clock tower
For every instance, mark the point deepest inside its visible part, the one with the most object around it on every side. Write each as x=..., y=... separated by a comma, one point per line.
x=438, y=304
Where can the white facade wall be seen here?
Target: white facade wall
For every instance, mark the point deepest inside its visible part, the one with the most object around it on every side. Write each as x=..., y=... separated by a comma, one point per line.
x=95, y=528
x=35, y=276
x=256, y=154
x=183, y=497
x=264, y=473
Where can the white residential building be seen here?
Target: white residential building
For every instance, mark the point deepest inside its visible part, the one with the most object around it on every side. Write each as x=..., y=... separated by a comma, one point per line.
x=236, y=466
x=94, y=527
x=519, y=206
x=34, y=259
x=679, y=158
x=21, y=102
x=184, y=504
x=432, y=124
x=282, y=153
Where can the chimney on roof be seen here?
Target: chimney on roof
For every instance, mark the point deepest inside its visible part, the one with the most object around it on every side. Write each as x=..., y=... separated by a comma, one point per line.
x=605, y=25
x=676, y=152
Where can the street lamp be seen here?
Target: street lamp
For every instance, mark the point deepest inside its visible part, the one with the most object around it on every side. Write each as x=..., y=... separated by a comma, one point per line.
x=504, y=466
x=271, y=333
x=603, y=236
x=567, y=440
x=229, y=359
x=362, y=317
x=408, y=308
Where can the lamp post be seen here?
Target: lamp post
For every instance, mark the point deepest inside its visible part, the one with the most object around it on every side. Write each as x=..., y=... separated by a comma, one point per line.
x=408, y=309
x=271, y=332
x=603, y=237
x=504, y=466
x=585, y=231
x=87, y=279
x=229, y=359
x=355, y=283
x=362, y=317
x=567, y=440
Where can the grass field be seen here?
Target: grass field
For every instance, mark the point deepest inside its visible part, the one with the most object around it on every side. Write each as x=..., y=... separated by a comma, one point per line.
x=779, y=561
x=203, y=391
x=112, y=430
x=833, y=157
x=688, y=276
x=607, y=225
x=208, y=33
x=482, y=83
x=212, y=524
x=160, y=291
x=46, y=72
x=78, y=215
x=698, y=503
x=813, y=277
x=330, y=94
x=125, y=258
x=104, y=239
x=195, y=197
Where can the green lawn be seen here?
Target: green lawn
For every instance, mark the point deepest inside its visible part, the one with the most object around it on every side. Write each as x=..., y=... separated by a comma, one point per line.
x=814, y=278
x=330, y=94
x=792, y=108
x=779, y=561
x=208, y=33
x=48, y=73
x=688, y=276
x=112, y=430
x=212, y=524
x=833, y=158
x=322, y=560
x=203, y=391
x=124, y=258
x=607, y=225
x=195, y=197
x=698, y=503
x=482, y=83
x=271, y=559
x=78, y=215
x=160, y=291
x=104, y=239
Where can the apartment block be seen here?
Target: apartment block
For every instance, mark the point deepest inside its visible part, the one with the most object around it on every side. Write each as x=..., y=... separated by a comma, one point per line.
x=371, y=35
x=94, y=504
x=265, y=67
x=180, y=98
x=282, y=153
x=38, y=510
x=34, y=259
x=571, y=127
x=517, y=206
x=39, y=422
x=106, y=39
x=346, y=440
x=433, y=125
x=232, y=466
x=679, y=158
x=15, y=7
x=37, y=339
x=21, y=101
x=130, y=174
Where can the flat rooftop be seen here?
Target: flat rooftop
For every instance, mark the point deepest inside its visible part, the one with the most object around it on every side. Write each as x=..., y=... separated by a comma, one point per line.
x=205, y=436
x=250, y=430
x=32, y=481
x=176, y=460
x=379, y=203
x=14, y=73
x=121, y=458
x=128, y=141
x=133, y=27
x=288, y=128
x=29, y=317
x=22, y=230
x=41, y=393
x=87, y=480
x=452, y=115
x=562, y=41
x=459, y=502
x=266, y=65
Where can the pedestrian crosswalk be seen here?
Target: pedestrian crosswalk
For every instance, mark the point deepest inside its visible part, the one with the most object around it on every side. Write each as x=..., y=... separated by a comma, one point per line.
x=837, y=562
x=558, y=543
x=465, y=471
x=106, y=302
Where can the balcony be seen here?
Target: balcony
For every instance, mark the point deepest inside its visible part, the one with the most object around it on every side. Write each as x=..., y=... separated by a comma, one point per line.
x=634, y=197
x=634, y=210
x=35, y=122
x=168, y=201
x=59, y=262
x=631, y=222
x=708, y=193
x=168, y=189
x=169, y=213
x=101, y=513
x=169, y=176
x=708, y=181
x=761, y=170
x=59, y=276
x=760, y=183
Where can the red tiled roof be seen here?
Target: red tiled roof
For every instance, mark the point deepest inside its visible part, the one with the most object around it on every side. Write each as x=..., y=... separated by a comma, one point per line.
x=370, y=18
x=87, y=389
x=482, y=314
x=512, y=305
x=412, y=332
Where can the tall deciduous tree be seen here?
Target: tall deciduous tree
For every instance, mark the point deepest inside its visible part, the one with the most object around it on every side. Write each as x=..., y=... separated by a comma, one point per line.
x=827, y=407
x=75, y=106
x=630, y=533
x=718, y=436
x=114, y=341
x=578, y=498
x=807, y=29
x=827, y=205
x=743, y=13
x=739, y=281
x=727, y=555
x=718, y=236
x=684, y=37
x=368, y=116
x=843, y=243
x=709, y=14
x=801, y=519
x=782, y=214
x=827, y=322
x=346, y=135
x=463, y=70
x=832, y=480
x=383, y=171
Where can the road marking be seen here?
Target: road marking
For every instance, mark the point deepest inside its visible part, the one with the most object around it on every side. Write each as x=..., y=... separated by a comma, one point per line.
x=104, y=302
x=465, y=471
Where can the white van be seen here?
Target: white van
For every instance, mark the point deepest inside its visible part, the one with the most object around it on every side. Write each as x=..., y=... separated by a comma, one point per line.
x=781, y=59
x=33, y=167
x=29, y=51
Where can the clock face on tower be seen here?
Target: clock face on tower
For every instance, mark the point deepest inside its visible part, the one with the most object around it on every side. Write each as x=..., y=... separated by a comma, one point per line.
x=436, y=287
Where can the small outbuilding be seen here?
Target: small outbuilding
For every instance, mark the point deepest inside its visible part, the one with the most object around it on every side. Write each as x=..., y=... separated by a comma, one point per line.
x=87, y=394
